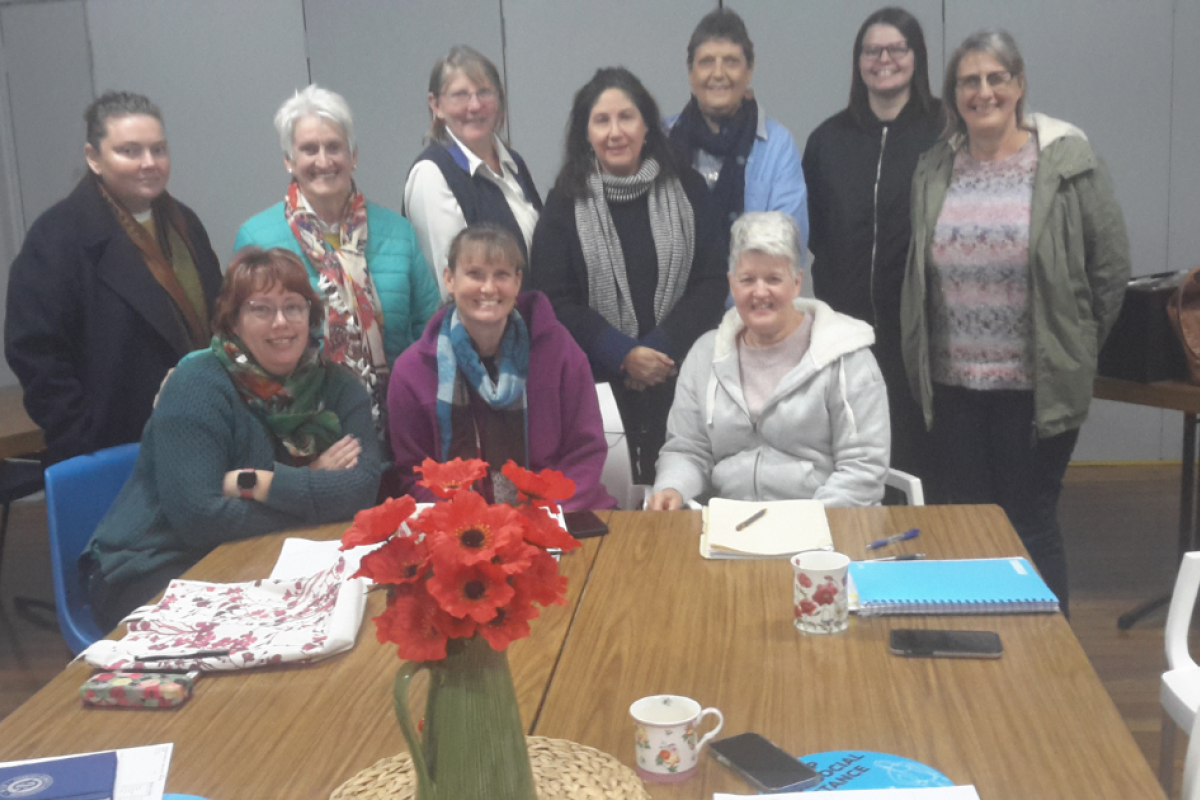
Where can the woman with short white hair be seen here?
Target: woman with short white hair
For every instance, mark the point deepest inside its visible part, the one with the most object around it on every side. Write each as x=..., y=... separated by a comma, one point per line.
x=362, y=259
x=784, y=400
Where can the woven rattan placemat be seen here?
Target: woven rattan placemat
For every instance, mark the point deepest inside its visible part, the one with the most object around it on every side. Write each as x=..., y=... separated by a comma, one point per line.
x=562, y=770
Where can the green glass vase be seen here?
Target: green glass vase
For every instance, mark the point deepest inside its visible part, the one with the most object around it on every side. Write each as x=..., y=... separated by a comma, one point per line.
x=473, y=747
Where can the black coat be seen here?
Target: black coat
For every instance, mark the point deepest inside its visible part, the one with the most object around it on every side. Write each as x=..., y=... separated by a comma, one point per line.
x=851, y=218
x=89, y=331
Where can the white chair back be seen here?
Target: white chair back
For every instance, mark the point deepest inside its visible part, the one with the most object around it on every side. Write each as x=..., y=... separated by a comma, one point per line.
x=909, y=484
x=617, y=476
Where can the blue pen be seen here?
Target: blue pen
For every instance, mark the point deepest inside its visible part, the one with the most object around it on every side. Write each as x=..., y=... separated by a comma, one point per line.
x=911, y=533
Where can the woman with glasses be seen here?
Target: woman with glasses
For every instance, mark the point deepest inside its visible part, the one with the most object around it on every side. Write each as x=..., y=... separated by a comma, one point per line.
x=257, y=433
x=1016, y=273
x=362, y=259
x=467, y=174
x=858, y=165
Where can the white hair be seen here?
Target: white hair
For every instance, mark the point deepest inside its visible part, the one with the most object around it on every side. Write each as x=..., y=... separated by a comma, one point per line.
x=772, y=233
x=312, y=101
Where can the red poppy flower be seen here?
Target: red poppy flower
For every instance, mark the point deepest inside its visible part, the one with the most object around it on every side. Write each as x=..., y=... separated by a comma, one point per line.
x=467, y=530
x=409, y=622
x=548, y=485
x=825, y=593
x=514, y=557
x=475, y=591
x=376, y=524
x=510, y=623
x=403, y=559
x=806, y=607
x=453, y=476
x=541, y=581
x=804, y=580
x=544, y=531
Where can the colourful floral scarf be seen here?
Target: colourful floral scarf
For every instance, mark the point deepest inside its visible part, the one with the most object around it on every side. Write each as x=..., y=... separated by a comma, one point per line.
x=294, y=410
x=354, y=318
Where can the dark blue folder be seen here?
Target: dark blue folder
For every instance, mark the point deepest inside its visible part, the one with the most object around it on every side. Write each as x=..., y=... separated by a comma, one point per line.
x=89, y=777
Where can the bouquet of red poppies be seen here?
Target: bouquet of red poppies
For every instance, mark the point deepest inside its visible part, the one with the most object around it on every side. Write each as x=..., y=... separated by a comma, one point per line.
x=464, y=566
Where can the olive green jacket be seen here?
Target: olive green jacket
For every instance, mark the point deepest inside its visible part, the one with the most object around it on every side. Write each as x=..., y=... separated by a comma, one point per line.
x=1078, y=268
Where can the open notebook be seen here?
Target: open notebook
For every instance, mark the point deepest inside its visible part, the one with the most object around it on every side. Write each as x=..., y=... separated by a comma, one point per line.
x=788, y=527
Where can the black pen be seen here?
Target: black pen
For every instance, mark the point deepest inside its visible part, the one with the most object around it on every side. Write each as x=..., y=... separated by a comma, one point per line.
x=905, y=557
x=753, y=518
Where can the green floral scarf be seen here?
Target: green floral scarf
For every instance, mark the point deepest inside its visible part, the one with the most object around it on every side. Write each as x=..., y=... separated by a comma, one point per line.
x=294, y=410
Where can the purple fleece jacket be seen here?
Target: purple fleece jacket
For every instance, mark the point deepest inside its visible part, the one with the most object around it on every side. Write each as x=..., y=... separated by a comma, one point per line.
x=565, y=429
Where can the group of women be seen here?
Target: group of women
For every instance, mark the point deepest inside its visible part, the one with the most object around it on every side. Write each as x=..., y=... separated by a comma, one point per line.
x=976, y=312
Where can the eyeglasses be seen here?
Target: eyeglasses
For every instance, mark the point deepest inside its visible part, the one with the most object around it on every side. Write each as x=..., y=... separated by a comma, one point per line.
x=896, y=50
x=973, y=83
x=266, y=313
x=463, y=97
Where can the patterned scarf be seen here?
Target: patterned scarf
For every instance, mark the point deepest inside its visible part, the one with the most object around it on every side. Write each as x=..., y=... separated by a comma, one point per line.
x=732, y=143
x=672, y=223
x=458, y=364
x=156, y=252
x=354, y=318
x=294, y=410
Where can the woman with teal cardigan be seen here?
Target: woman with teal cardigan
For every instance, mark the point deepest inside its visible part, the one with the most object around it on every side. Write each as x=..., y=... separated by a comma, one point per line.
x=362, y=259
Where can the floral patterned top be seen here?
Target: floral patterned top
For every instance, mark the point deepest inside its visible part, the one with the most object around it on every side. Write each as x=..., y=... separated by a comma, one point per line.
x=981, y=332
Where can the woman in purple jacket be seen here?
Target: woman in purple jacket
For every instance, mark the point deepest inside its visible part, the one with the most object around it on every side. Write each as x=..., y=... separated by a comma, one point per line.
x=488, y=365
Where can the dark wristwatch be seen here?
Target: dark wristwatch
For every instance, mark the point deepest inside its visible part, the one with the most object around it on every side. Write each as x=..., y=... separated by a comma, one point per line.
x=247, y=479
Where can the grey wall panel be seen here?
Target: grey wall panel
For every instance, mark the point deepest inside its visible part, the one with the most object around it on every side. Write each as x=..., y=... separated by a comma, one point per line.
x=378, y=54
x=50, y=85
x=555, y=46
x=220, y=69
x=1183, y=244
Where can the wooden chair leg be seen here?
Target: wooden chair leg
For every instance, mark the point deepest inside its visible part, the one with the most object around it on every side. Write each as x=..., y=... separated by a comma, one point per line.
x=1166, y=754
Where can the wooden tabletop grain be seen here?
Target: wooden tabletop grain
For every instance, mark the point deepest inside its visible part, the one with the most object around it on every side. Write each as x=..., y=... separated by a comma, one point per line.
x=19, y=435
x=1036, y=723
x=648, y=615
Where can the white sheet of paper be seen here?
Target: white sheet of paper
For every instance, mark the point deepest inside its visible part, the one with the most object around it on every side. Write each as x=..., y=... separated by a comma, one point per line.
x=300, y=558
x=141, y=771
x=924, y=793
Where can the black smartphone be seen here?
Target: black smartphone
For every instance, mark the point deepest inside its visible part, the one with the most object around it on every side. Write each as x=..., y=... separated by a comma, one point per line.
x=764, y=765
x=946, y=644
x=584, y=524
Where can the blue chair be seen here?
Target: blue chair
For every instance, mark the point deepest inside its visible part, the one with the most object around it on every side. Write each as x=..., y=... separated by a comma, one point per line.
x=79, y=492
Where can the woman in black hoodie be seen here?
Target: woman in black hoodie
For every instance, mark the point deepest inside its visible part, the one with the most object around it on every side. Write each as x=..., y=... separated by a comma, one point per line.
x=858, y=166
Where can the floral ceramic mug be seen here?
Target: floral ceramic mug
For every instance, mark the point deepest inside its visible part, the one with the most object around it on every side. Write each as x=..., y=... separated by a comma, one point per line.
x=665, y=736
x=819, y=591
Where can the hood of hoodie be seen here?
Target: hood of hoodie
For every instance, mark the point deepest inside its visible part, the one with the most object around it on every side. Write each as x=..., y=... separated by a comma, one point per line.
x=833, y=335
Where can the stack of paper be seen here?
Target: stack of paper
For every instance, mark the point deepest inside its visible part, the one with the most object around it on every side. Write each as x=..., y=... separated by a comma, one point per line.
x=132, y=773
x=788, y=527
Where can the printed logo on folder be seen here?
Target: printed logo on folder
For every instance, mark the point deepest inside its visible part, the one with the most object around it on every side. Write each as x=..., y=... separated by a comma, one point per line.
x=88, y=777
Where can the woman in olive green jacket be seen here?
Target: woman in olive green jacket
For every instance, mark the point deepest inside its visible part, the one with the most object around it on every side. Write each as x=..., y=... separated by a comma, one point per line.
x=1016, y=273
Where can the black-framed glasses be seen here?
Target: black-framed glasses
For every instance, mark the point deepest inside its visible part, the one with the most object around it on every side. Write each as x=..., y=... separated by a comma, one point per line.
x=895, y=50
x=266, y=313
x=973, y=83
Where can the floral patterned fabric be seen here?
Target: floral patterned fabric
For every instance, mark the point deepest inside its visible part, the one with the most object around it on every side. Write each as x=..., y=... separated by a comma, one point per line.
x=259, y=622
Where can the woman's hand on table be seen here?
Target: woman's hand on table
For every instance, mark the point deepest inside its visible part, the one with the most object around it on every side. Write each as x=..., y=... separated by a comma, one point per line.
x=647, y=367
x=342, y=454
x=666, y=500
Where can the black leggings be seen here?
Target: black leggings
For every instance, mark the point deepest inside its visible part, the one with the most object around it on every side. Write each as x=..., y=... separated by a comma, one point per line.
x=987, y=452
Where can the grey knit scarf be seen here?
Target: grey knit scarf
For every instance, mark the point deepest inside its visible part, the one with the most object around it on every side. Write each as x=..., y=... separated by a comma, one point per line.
x=672, y=223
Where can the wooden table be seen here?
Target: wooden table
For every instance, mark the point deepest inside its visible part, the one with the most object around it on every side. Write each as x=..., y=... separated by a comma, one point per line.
x=1172, y=396
x=19, y=436
x=655, y=617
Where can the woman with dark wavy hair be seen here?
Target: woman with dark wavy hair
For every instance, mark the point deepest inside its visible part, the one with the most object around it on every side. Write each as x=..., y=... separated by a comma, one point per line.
x=858, y=165
x=629, y=249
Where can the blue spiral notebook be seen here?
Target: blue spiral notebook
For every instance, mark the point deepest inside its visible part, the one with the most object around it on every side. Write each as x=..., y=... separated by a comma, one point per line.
x=972, y=586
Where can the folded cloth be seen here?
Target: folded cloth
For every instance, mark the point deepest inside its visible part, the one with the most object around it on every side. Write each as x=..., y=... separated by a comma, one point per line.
x=272, y=621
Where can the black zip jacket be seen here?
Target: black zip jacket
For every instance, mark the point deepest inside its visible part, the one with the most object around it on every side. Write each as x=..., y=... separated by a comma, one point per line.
x=859, y=182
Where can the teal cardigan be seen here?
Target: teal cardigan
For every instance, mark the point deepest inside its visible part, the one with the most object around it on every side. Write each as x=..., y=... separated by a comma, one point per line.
x=407, y=291
x=172, y=510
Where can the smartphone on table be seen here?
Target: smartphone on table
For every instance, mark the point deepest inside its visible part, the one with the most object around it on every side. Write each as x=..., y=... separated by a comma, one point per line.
x=584, y=524
x=767, y=767
x=946, y=644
